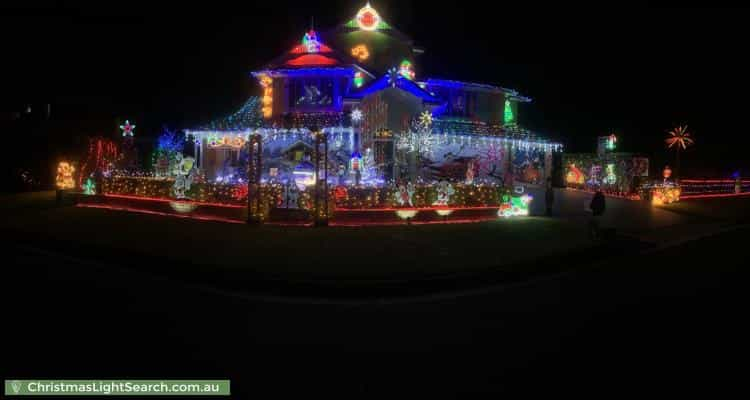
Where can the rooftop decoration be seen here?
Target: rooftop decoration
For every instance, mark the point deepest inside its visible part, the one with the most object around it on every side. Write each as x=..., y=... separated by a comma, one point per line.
x=310, y=41
x=359, y=79
x=406, y=70
x=368, y=19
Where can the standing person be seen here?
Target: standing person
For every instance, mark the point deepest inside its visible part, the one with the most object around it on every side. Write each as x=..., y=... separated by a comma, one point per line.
x=598, y=204
x=549, y=197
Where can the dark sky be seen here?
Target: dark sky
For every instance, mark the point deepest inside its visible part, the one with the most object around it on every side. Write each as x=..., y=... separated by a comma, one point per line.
x=591, y=71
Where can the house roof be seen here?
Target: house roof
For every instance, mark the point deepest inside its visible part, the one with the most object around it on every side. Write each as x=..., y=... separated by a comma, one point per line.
x=393, y=79
x=513, y=94
x=353, y=25
x=246, y=117
x=311, y=53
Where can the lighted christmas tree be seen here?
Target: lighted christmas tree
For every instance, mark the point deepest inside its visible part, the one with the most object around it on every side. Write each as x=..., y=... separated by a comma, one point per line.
x=508, y=116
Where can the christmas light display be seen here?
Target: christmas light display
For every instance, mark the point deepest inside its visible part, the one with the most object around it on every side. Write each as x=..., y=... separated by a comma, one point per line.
x=515, y=206
x=444, y=192
x=419, y=153
x=679, y=137
x=360, y=52
x=610, y=178
x=267, y=100
x=357, y=115
x=235, y=141
x=248, y=116
x=169, y=145
x=405, y=194
x=183, y=207
x=574, y=175
x=304, y=174
x=310, y=41
x=611, y=142
x=359, y=79
x=64, y=179
x=508, y=117
x=127, y=129
x=367, y=18
x=89, y=187
x=665, y=194
x=406, y=70
x=425, y=119
x=407, y=214
x=666, y=173
x=100, y=159
x=184, y=175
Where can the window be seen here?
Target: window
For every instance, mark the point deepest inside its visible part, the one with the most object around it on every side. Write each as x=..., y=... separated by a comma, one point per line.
x=311, y=94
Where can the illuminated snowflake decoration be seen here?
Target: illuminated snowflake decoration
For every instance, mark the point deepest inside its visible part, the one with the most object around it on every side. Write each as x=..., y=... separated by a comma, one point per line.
x=425, y=119
x=419, y=138
x=357, y=115
x=127, y=129
x=393, y=76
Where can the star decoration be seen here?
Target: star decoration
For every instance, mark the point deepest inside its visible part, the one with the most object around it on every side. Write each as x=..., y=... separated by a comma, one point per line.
x=127, y=129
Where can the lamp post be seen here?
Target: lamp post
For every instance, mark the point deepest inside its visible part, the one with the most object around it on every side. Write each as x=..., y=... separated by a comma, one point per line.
x=320, y=217
x=254, y=168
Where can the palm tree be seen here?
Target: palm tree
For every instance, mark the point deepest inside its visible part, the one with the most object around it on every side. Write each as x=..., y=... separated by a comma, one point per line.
x=679, y=138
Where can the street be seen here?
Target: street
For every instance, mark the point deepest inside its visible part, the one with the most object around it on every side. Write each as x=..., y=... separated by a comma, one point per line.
x=656, y=327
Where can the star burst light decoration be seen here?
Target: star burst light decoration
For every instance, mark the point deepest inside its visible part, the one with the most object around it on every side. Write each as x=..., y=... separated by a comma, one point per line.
x=127, y=129
x=425, y=119
x=393, y=76
x=680, y=137
x=357, y=115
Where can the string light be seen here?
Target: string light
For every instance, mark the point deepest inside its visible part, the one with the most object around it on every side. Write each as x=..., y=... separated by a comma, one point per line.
x=367, y=18
x=360, y=52
x=127, y=129
x=359, y=79
x=64, y=179
x=266, y=83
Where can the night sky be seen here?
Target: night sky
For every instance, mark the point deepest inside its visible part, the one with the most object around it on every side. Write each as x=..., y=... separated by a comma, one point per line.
x=635, y=72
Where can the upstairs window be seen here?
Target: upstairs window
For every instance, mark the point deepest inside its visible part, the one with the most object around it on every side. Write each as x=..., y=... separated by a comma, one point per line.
x=311, y=94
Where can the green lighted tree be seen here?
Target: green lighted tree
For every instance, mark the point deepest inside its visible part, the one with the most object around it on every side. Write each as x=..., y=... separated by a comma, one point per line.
x=679, y=139
x=508, y=116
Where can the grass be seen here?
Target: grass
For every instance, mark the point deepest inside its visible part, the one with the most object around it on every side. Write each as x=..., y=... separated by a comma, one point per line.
x=723, y=208
x=236, y=250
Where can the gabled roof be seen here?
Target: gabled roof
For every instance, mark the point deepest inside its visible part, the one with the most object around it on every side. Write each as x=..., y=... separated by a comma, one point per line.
x=246, y=117
x=393, y=79
x=514, y=95
x=311, y=53
x=378, y=25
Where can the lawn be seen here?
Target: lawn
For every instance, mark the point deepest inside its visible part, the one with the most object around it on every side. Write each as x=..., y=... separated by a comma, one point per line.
x=726, y=208
x=238, y=251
